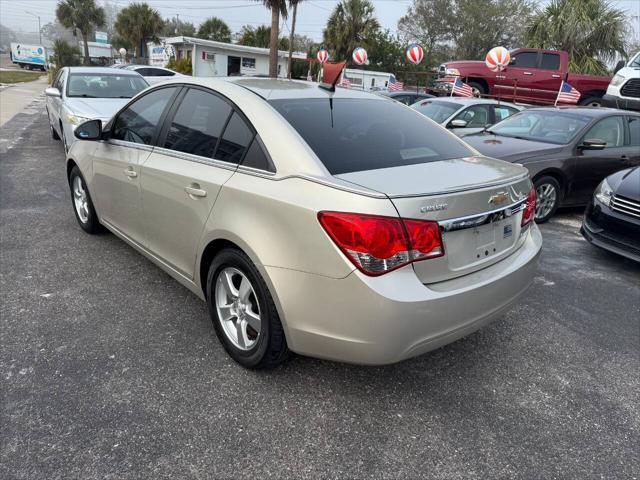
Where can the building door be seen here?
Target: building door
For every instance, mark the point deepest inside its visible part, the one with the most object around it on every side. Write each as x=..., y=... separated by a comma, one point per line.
x=233, y=66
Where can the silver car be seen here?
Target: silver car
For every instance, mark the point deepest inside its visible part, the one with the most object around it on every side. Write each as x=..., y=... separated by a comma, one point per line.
x=78, y=94
x=336, y=224
x=464, y=116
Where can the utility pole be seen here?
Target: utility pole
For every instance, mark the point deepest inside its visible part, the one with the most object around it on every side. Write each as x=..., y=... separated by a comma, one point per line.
x=39, y=27
x=177, y=22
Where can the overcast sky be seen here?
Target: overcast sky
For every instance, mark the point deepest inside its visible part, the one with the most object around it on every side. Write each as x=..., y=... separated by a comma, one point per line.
x=312, y=14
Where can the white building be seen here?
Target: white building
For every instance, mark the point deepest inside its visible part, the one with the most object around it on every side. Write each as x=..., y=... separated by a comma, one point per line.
x=218, y=59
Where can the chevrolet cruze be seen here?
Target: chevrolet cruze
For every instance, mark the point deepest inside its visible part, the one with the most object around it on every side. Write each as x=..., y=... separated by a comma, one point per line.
x=340, y=225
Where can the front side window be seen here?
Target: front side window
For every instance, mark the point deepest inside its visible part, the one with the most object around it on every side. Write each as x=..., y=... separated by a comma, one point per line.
x=476, y=116
x=197, y=124
x=542, y=125
x=235, y=140
x=525, y=60
x=104, y=85
x=357, y=134
x=138, y=123
x=610, y=129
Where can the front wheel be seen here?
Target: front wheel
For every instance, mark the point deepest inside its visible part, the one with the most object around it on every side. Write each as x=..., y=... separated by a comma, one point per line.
x=82, y=204
x=243, y=312
x=547, y=198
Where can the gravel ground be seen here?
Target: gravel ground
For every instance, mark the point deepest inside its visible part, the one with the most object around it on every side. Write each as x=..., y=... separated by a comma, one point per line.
x=111, y=370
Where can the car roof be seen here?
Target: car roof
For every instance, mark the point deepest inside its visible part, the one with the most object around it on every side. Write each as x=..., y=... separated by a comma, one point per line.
x=469, y=100
x=396, y=93
x=274, y=89
x=101, y=70
x=594, y=112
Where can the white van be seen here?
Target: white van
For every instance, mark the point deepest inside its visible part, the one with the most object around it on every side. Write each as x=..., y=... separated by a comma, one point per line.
x=624, y=89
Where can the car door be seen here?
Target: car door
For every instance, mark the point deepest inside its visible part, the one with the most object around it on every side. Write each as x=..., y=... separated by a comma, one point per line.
x=54, y=104
x=201, y=144
x=547, y=79
x=477, y=118
x=631, y=157
x=519, y=77
x=117, y=161
x=592, y=166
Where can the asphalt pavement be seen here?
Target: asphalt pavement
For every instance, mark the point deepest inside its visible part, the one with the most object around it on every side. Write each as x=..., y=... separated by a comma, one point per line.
x=109, y=369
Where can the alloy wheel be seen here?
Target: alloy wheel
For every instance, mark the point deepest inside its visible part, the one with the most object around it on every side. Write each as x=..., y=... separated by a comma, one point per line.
x=80, y=200
x=546, y=197
x=237, y=307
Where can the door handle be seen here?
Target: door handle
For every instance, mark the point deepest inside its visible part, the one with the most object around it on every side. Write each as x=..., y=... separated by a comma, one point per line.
x=500, y=77
x=130, y=172
x=195, y=191
x=527, y=73
x=555, y=76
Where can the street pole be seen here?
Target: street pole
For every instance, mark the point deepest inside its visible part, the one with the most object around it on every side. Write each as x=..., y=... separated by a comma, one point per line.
x=39, y=27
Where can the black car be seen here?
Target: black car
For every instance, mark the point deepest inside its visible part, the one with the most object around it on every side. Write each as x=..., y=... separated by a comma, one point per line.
x=612, y=219
x=567, y=150
x=406, y=97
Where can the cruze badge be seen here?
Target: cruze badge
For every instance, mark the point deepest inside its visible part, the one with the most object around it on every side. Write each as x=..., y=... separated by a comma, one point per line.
x=499, y=197
x=434, y=208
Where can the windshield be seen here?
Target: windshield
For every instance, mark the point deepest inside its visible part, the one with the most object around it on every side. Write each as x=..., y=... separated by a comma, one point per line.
x=104, y=85
x=635, y=61
x=353, y=134
x=542, y=125
x=436, y=110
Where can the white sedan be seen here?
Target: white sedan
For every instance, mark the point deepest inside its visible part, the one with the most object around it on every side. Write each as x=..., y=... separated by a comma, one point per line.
x=154, y=74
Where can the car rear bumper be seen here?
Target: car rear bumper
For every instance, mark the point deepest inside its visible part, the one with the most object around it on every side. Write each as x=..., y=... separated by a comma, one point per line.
x=611, y=231
x=386, y=319
x=615, y=101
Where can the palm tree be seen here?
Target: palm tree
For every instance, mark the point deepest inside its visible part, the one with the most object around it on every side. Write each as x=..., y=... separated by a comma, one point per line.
x=294, y=4
x=351, y=24
x=139, y=23
x=592, y=31
x=278, y=8
x=255, y=37
x=214, y=28
x=82, y=15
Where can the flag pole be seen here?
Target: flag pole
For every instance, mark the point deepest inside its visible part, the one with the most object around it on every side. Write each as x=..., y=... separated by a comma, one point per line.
x=558, y=95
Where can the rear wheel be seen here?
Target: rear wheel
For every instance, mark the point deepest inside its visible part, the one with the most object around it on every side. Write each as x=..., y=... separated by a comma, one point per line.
x=243, y=312
x=64, y=139
x=591, y=102
x=547, y=198
x=54, y=134
x=478, y=88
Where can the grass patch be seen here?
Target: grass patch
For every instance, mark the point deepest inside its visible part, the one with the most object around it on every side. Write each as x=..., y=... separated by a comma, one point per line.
x=7, y=76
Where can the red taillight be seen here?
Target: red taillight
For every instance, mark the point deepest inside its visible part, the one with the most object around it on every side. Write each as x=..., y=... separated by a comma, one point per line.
x=530, y=208
x=377, y=244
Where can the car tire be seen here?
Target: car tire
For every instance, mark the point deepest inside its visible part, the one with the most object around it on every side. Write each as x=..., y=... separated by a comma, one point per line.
x=54, y=134
x=477, y=87
x=548, y=195
x=82, y=204
x=591, y=102
x=233, y=313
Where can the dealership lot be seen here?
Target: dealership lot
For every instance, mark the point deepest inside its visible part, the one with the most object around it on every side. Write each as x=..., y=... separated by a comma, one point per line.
x=110, y=369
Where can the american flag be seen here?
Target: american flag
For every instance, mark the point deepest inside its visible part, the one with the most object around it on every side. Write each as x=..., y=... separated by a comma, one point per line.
x=567, y=94
x=395, y=85
x=461, y=89
x=345, y=81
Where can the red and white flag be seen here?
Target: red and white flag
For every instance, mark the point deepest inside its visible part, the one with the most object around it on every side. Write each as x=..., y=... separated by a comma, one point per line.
x=567, y=94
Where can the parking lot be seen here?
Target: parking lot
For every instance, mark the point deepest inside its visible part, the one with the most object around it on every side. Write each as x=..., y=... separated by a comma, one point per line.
x=111, y=369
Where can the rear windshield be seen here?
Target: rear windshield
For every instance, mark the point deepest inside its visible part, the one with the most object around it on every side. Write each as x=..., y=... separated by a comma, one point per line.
x=436, y=110
x=104, y=85
x=352, y=134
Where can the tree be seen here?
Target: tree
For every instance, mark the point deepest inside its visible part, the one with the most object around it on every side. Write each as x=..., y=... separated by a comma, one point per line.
x=278, y=8
x=429, y=22
x=260, y=37
x=83, y=15
x=351, y=24
x=53, y=31
x=294, y=4
x=214, y=28
x=138, y=24
x=65, y=54
x=592, y=31
x=175, y=27
x=387, y=53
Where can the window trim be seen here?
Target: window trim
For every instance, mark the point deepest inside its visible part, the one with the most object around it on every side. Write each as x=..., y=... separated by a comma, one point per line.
x=109, y=126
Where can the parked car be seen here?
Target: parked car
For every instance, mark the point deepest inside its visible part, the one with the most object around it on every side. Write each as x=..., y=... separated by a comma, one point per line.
x=153, y=74
x=533, y=76
x=464, y=116
x=338, y=225
x=31, y=57
x=78, y=94
x=612, y=219
x=405, y=96
x=567, y=150
x=624, y=89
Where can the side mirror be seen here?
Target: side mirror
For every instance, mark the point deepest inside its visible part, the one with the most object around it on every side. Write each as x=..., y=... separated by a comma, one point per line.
x=52, y=92
x=90, y=130
x=593, y=144
x=458, y=123
x=619, y=66
x=512, y=61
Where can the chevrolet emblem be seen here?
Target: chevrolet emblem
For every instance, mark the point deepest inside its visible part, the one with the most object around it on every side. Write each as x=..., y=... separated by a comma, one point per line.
x=499, y=197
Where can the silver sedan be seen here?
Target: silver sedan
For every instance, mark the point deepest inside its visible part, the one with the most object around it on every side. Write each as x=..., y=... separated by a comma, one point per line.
x=464, y=116
x=332, y=224
x=78, y=94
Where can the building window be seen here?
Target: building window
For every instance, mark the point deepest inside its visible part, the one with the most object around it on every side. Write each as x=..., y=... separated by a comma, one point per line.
x=188, y=53
x=248, y=62
x=373, y=82
x=179, y=53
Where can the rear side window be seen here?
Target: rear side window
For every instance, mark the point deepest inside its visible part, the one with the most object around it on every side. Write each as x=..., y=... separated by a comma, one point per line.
x=157, y=72
x=197, y=124
x=501, y=112
x=352, y=134
x=256, y=158
x=235, y=140
x=634, y=131
x=550, y=61
x=139, y=121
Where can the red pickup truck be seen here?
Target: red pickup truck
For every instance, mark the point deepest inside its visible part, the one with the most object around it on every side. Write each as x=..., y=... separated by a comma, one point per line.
x=532, y=76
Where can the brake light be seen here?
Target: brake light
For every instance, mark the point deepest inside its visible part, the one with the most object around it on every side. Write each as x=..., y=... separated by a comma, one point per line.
x=377, y=244
x=530, y=208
